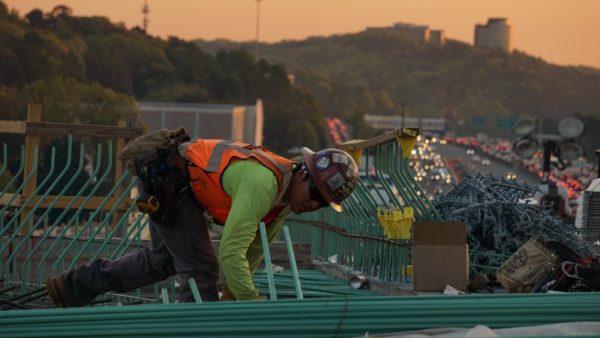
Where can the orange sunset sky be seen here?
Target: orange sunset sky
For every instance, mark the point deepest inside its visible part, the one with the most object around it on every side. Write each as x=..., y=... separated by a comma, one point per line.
x=565, y=32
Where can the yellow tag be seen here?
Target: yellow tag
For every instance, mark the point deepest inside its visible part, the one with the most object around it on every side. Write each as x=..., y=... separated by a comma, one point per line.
x=407, y=143
x=409, y=132
x=356, y=155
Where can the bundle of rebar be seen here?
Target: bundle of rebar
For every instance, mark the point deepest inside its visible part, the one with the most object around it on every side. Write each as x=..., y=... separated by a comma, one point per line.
x=340, y=317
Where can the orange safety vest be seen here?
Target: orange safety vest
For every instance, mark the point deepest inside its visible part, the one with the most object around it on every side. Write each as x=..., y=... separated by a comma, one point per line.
x=210, y=158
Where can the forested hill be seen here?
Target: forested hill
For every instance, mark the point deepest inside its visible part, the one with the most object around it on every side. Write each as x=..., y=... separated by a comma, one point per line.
x=375, y=71
x=90, y=70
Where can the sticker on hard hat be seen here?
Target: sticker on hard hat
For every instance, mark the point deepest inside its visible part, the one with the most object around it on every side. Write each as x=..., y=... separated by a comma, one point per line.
x=350, y=171
x=342, y=193
x=336, y=181
x=322, y=163
x=339, y=158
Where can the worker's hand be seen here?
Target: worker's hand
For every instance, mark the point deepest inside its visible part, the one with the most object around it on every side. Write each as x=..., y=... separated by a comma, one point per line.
x=226, y=295
x=259, y=298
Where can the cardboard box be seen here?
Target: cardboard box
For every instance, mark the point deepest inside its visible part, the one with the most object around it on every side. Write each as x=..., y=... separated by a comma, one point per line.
x=440, y=256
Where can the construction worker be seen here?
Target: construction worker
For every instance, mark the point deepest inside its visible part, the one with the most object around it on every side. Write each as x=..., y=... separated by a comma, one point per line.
x=237, y=185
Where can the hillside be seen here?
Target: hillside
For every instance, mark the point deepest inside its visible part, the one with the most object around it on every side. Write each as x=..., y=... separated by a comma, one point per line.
x=376, y=72
x=90, y=70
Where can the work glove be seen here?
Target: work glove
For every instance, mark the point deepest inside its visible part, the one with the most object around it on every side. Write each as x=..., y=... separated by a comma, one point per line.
x=227, y=295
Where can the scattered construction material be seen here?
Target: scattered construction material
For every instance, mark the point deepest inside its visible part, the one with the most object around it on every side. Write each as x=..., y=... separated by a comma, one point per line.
x=498, y=224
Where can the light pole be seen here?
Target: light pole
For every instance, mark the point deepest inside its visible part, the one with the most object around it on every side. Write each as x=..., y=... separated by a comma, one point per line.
x=257, y=29
x=145, y=10
x=598, y=153
x=563, y=146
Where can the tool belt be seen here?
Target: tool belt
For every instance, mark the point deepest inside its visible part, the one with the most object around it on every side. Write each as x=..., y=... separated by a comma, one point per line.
x=155, y=159
x=165, y=178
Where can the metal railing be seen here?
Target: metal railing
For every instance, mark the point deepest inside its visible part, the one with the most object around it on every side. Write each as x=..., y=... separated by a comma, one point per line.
x=50, y=231
x=44, y=234
x=357, y=237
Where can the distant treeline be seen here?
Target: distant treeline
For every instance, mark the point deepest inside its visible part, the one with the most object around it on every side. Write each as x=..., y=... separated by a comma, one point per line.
x=380, y=71
x=89, y=70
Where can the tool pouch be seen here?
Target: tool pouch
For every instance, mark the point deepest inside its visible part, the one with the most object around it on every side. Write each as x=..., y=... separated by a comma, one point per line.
x=142, y=146
x=155, y=160
x=165, y=176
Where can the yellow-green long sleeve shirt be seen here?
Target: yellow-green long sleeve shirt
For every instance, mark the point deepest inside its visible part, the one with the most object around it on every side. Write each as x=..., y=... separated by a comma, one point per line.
x=253, y=191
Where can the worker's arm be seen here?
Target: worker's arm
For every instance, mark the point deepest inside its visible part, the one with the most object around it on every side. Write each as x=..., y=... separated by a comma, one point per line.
x=253, y=190
x=255, y=252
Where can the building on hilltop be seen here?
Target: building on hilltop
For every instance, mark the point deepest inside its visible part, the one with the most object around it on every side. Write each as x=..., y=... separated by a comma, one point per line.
x=495, y=34
x=437, y=37
x=419, y=33
x=412, y=32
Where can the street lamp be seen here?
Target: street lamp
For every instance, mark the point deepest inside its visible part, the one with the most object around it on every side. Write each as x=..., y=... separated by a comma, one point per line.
x=526, y=146
x=257, y=29
x=562, y=145
x=598, y=153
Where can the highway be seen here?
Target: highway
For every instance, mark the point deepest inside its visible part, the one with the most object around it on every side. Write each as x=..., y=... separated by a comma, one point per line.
x=472, y=163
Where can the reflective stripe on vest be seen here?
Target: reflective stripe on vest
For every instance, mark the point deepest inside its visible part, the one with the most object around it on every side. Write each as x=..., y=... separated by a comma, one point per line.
x=217, y=154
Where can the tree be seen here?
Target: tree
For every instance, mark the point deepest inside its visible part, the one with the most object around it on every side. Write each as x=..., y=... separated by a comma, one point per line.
x=70, y=101
x=35, y=18
x=60, y=12
x=11, y=72
x=3, y=10
x=302, y=133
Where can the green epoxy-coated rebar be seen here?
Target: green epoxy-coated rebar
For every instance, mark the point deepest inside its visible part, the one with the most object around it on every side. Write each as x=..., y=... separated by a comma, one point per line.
x=165, y=295
x=4, y=158
x=108, y=216
x=53, y=240
x=27, y=236
x=195, y=292
x=89, y=223
x=268, y=265
x=342, y=317
x=73, y=220
x=27, y=262
x=293, y=267
x=14, y=180
x=314, y=284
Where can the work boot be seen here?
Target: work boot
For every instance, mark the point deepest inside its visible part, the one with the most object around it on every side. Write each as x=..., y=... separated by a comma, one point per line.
x=56, y=290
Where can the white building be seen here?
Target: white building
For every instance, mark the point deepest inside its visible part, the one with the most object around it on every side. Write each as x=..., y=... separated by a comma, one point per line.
x=437, y=37
x=412, y=32
x=419, y=33
x=209, y=121
x=495, y=34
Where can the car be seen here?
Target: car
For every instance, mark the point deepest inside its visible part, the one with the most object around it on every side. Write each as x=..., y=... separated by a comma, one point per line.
x=470, y=152
x=439, y=174
x=485, y=162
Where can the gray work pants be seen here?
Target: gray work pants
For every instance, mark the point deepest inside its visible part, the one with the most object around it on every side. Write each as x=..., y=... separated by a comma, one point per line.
x=181, y=247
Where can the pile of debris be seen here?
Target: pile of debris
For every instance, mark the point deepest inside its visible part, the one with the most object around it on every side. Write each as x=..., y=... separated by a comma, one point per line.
x=500, y=220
